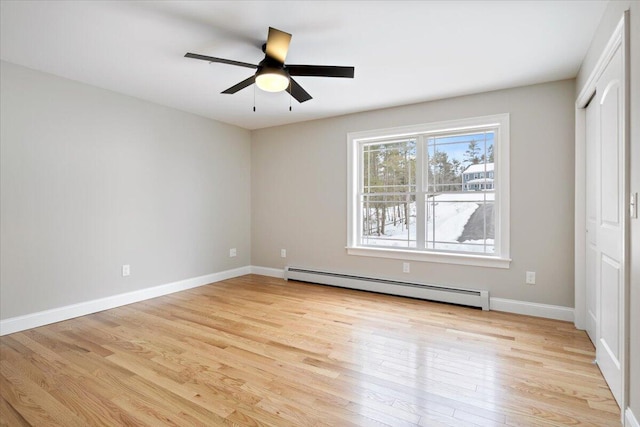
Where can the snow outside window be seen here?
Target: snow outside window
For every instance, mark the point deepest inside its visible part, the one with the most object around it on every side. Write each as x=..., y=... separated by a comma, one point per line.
x=435, y=192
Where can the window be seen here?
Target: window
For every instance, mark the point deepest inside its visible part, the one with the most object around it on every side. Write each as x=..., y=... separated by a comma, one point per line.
x=388, y=197
x=435, y=192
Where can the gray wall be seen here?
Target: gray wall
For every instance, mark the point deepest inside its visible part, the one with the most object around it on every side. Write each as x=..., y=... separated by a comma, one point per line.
x=91, y=180
x=610, y=20
x=299, y=193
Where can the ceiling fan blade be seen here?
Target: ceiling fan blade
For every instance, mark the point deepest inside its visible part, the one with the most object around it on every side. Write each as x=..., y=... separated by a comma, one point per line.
x=321, y=71
x=277, y=44
x=221, y=60
x=297, y=92
x=235, y=88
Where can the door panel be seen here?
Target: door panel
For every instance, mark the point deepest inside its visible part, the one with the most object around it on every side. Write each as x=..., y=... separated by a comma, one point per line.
x=591, y=222
x=610, y=299
x=609, y=229
x=592, y=292
x=609, y=152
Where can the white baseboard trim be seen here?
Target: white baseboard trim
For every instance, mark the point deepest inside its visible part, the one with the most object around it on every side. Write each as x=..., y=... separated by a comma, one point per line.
x=556, y=312
x=266, y=271
x=630, y=420
x=21, y=323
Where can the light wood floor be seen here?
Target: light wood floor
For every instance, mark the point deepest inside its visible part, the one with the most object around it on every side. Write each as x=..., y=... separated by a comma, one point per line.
x=255, y=351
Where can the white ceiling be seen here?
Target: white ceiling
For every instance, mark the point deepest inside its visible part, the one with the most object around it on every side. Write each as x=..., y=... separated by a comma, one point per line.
x=403, y=52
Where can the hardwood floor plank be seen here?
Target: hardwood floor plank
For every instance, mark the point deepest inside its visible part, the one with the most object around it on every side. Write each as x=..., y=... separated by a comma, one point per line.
x=33, y=403
x=259, y=351
x=10, y=417
x=141, y=391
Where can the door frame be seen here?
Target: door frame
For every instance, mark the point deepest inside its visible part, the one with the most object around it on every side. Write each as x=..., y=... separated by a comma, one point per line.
x=619, y=39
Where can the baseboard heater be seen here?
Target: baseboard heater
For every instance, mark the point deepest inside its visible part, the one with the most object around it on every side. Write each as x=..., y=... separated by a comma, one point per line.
x=469, y=297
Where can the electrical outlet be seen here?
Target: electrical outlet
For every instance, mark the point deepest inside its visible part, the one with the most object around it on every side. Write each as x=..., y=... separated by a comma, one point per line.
x=283, y=253
x=126, y=270
x=406, y=268
x=232, y=252
x=530, y=278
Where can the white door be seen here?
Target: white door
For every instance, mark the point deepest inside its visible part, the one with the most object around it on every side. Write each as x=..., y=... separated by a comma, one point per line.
x=592, y=290
x=606, y=247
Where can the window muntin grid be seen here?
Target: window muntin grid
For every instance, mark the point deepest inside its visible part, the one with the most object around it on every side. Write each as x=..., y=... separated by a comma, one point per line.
x=460, y=192
x=408, y=193
x=387, y=196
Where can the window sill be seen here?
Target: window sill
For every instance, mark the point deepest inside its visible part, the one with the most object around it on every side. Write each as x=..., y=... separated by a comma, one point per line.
x=444, y=258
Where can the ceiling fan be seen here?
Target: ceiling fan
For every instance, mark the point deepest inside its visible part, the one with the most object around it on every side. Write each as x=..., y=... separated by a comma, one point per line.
x=272, y=75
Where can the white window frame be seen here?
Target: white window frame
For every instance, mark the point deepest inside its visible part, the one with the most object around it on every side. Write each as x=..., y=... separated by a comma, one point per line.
x=355, y=140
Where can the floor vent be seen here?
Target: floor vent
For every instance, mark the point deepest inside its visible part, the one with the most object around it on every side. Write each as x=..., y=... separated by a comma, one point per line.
x=469, y=297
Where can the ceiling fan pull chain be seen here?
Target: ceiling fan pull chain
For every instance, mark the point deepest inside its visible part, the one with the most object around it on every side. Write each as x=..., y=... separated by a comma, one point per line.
x=254, y=98
x=290, y=95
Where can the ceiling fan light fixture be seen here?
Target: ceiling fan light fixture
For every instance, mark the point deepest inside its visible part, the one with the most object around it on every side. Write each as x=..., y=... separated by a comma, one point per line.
x=272, y=79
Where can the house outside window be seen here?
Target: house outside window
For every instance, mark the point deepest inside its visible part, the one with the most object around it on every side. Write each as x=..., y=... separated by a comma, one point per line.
x=435, y=192
x=478, y=177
